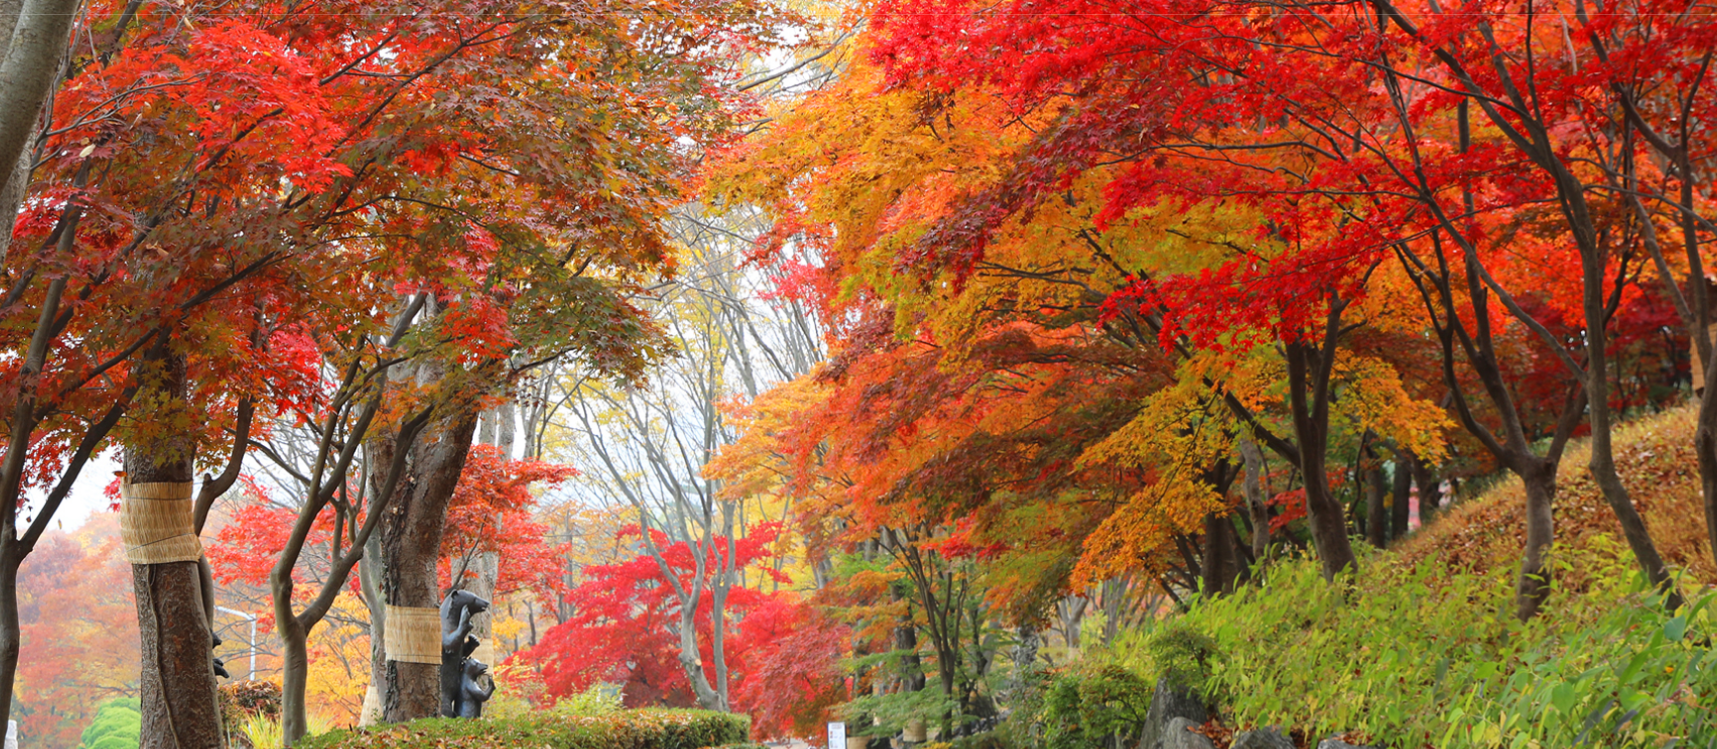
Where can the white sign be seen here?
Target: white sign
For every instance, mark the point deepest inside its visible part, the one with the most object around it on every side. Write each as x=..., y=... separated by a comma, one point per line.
x=837, y=736
x=11, y=734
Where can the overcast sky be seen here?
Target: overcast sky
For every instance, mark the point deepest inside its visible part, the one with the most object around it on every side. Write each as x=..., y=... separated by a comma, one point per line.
x=86, y=497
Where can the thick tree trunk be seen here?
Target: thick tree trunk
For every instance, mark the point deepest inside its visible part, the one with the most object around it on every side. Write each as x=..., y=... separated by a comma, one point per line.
x=1308, y=385
x=177, y=690
x=411, y=544
x=1220, y=566
x=179, y=703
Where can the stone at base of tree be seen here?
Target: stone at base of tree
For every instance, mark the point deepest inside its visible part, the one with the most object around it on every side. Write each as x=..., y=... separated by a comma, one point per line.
x=1179, y=735
x=1261, y=738
x=1169, y=702
x=1334, y=743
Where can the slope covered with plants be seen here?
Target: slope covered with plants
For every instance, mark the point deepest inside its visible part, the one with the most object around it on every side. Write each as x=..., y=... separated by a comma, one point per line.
x=1423, y=651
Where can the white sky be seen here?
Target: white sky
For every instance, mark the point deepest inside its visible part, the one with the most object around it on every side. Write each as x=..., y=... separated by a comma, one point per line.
x=86, y=496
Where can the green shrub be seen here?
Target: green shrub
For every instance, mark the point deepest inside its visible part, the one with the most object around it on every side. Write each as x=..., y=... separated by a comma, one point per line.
x=1086, y=707
x=1183, y=655
x=986, y=740
x=116, y=725
x=261, y=731
x=599, y=699
x=1425, y=657
x=626, y=729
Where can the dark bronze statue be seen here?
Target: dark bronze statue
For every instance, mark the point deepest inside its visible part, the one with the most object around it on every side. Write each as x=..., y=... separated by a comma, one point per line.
x=457, y=644
x=472, y=693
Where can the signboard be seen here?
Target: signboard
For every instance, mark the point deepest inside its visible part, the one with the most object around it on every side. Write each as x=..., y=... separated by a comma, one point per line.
x=837, y=736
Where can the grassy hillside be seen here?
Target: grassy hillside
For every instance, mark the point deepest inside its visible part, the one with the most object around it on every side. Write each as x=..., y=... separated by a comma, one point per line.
x=1655, y=457
x=1421, y=649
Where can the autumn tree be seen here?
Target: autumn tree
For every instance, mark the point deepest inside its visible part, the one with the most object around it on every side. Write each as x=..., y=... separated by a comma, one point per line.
x=167, y=249
x=984, y=262
x=628, y=616
x=648, y=447
x=79, y=633
x=1302, y=134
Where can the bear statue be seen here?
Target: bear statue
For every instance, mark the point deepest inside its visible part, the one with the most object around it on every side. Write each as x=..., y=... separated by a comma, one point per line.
x=472, y=693
x=456, y=644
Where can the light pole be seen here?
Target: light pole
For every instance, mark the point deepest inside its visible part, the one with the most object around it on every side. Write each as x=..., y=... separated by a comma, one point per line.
x=252, y=618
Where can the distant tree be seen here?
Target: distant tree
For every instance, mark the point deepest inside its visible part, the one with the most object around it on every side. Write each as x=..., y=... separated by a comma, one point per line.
x=628, y=625
x=79, y=634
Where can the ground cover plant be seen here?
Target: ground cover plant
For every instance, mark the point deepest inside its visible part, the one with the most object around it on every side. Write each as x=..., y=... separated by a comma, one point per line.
x=631, y=729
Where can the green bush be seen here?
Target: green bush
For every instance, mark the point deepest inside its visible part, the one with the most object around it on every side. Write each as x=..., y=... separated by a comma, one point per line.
x=1086, y=707
x=1425, y=657
x=985, y=740
x=116, y=725
x=1183, y=655
x=626, y=729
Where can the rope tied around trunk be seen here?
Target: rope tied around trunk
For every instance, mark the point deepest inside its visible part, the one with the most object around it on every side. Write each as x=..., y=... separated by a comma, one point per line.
x=157, y=524
x=413, y=634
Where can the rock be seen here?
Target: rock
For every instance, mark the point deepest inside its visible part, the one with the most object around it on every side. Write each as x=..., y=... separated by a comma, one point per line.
x=1178, y=736
x=1167, y=704
x=1261, y=738
x=1335, y=743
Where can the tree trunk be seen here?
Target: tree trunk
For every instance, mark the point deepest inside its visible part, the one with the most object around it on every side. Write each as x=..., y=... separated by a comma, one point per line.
x=1308, y=391
x=1398, y=499
x=1220, y=566
x=370, y=582
x=1705, y=446
x=27, y=72
x=497, y=430
x=295, y=669
x=1023, y=683
x=1376, y=512
x=906, y=642
x=177, y=690
x=487, y=566
x=10, y=634
x=411, y=543
x=1255, y=499
x=179, y=703
x=1532, y=585
x=1602, y=463
x=718, y=640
